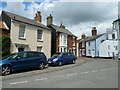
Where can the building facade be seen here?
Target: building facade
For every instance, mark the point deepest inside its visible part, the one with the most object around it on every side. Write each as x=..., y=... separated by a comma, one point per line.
x=116, y=27
x=109, y=47
x=4, y=30
x=92, y=45
x=27, y=34
x=81, y=46
x=62, y=39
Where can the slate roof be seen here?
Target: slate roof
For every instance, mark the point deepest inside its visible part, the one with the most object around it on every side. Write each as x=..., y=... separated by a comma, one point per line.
x=16, y=17
x=58, y=29
x=91, y=38
x=117, y=20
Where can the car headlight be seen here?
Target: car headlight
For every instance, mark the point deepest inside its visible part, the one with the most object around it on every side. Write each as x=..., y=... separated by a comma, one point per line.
x=54, y=60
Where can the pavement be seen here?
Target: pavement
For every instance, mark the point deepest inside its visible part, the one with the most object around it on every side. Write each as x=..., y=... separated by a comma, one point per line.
x=86, y=73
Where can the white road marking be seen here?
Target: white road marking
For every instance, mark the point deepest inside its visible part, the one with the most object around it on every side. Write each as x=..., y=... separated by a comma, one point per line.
x=105, y=69
x=72, y=74
x=95, y=71
x=19, y=82
x=61, y=76
x=101, y=70
x=84, y=72
x=41, y=79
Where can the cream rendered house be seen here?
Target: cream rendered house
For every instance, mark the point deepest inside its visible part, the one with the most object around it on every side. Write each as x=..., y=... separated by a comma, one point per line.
x=27, y=34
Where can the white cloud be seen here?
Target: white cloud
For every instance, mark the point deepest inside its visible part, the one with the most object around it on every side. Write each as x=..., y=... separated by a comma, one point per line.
x=78, y=18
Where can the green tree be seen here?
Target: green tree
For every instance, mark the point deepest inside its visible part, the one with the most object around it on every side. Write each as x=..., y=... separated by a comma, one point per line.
x=5, y=45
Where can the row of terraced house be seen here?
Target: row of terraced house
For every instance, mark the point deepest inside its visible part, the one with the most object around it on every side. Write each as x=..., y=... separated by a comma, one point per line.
x=100, y=45
x=31, y=35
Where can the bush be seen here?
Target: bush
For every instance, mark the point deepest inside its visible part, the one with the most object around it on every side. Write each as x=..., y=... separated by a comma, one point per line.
x=5, y=45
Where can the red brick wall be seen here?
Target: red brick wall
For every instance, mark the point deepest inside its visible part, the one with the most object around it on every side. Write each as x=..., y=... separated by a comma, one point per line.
x=70, y=41
x=57, y=41
x=4, y=33
x=80, y=47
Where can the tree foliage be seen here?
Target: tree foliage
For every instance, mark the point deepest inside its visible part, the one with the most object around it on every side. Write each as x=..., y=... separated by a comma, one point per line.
x=5, y=45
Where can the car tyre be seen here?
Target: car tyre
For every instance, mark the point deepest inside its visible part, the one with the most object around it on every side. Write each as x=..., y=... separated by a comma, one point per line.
x=41, y=66
x=73, y=61
x=6, y=70
x=60, y=63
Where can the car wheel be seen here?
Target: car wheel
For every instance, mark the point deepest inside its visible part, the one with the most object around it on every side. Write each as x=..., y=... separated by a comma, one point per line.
x=73, y=61
x=60, y=63
x=41, y=66
x=6, y=70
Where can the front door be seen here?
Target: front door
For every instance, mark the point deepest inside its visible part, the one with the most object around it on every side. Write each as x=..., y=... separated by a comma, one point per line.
x=21, y=49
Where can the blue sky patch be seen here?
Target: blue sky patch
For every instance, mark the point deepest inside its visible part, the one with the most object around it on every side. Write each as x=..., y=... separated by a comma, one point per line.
x=3, y=4
x=38, y=1
x=51, y=1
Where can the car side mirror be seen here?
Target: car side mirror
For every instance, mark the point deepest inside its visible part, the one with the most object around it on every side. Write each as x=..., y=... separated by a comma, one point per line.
x=17, y=58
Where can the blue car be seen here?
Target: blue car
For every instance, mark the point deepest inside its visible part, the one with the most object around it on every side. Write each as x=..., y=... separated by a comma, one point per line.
x=62, y=58
x=23, y=60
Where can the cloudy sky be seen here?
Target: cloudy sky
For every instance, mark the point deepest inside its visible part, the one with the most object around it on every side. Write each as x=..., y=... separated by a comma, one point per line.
x=78, y=17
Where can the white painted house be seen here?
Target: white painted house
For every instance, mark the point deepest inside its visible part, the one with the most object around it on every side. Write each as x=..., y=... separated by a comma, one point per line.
x=109, y=47
x=116, y=27
x=92, y=43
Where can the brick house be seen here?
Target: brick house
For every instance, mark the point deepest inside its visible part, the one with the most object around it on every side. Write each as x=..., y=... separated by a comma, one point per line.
x=26, y=34
x=4, y=30
x=62, y=39
x=81, y=46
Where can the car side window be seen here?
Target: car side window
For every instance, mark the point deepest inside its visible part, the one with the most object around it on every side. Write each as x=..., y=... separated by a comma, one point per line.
x=13, y=57
x=65, y=54
x=32, y=55
x=41, y=54
x=69, y=54
x=22, y=55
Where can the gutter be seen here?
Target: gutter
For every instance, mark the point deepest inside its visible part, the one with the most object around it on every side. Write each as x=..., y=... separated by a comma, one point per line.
x=29, y=24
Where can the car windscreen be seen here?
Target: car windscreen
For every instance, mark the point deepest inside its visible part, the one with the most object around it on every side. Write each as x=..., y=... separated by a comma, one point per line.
x=57, y=55
x=5, y=57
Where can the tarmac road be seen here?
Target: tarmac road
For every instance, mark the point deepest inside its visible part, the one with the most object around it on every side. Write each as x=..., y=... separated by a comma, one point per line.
x=92, y=74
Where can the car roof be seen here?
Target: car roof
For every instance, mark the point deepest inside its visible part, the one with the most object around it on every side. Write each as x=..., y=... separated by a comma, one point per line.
x=29, y=51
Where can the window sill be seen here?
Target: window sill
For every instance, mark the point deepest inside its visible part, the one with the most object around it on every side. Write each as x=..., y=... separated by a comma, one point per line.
x=22, y=38
x=39, y=40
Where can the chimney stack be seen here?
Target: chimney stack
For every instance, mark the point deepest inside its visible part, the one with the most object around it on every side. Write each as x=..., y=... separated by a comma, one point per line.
x=83, y=36
x=94, y=31
x=62, y=26
x=49, y=20
x=38, y=17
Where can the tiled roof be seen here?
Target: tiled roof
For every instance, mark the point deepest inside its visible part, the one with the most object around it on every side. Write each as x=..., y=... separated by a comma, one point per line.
x=58, y=29
x=24, y=19
x=91, y=38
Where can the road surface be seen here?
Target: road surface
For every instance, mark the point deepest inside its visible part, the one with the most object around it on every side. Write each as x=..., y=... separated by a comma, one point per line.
x=92, y=74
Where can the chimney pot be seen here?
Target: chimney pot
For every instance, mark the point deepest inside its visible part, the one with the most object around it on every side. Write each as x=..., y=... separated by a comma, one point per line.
x=38, y=16
x=94, y=31
x=62, y=26
x=49, y=20
x=83, y=36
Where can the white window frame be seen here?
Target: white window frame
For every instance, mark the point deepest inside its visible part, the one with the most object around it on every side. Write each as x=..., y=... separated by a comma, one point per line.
x=65, y=40
x=41, y=38
x=23, y=32
x=83, y=44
